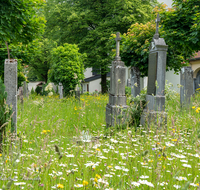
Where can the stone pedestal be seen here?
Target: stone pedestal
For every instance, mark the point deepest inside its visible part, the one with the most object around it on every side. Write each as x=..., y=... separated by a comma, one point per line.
x=10, y=81
x=187, y=87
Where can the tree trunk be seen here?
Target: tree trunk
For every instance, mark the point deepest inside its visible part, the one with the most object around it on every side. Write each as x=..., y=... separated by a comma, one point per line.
x=8, y=50
x=104, y=87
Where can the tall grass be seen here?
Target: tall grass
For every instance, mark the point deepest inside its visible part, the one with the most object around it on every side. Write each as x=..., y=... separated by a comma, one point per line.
x=63, y=144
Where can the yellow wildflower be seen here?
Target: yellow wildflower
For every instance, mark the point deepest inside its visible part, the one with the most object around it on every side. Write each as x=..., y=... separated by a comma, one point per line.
x=98, y=176
x=197, y=111
x=193, y=107
x=174, y=140
x=0, y=155
x=60, y=186
x=85, y=183
x=97, y=149
x=96, y=180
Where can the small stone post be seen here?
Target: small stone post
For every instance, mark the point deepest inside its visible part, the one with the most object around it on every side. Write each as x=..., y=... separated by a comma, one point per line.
x=24, y=89
x=187, y=87
x=61, y=90
x=10, y=81
x=116, y=108
x=77, y=93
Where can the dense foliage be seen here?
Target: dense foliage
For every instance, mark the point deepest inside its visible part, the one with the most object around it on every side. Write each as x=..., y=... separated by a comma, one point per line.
x=67, y=66
x=90, y=24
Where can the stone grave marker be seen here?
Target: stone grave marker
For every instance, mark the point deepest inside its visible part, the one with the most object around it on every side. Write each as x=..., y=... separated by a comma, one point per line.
x=25, y=89
x=10, y=81
x=135, y=81
x=60, y=88
x=116, y=108
x=77, y=93
x=187, y=87
x=155, y=109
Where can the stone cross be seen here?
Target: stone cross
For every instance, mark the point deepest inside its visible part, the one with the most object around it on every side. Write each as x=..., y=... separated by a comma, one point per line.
x=117, y=39
x=156, y=35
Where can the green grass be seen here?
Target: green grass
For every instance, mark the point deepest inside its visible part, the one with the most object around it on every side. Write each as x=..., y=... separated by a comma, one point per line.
x=51, y=153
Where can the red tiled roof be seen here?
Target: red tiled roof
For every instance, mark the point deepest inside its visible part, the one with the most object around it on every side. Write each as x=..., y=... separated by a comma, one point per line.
x=197, y=55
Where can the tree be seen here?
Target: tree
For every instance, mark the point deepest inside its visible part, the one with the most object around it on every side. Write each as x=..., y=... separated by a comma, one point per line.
x=182, y=26
x=89, y=23
x=67, y=66
x=38, y=55
x=20, y=21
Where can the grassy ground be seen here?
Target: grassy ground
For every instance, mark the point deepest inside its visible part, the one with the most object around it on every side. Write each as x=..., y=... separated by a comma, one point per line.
x=63, y=144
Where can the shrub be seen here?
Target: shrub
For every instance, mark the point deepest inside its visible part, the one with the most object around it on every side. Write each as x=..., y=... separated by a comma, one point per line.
x=38, y=90
x=128, y=91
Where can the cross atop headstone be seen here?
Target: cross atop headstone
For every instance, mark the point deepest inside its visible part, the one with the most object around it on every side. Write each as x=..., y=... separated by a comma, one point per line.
x=156, y=35
x=117, y=39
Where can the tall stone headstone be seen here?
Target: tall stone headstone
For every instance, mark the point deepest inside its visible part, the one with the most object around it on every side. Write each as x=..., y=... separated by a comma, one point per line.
x=60, y=90
x=187, y=87
x=116, y=108
x=155, y=109
x=10, y=81
x=135, y=81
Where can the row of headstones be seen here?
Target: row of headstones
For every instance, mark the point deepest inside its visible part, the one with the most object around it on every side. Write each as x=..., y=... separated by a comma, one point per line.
x=186, y=84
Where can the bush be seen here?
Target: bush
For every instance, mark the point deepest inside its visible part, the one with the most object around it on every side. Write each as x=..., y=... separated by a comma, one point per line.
x=128, y=91
x=137, y=105
x=67, y=67
x=38, y=90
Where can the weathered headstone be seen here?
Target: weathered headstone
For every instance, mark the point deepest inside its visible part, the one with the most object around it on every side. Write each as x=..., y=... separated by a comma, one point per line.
x=61, y=90
x=77, y=93
x=116, y=108
x=135, y=81
x=20, y=95
x=25, y=89
x=187, y=87
x=155, y=109
x=10, y=81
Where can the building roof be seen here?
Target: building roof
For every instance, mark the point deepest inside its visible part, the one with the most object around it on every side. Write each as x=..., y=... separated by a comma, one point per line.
x=196, y=57
x=94, y=77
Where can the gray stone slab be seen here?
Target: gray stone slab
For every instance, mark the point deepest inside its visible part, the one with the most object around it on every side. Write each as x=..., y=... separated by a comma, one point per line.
x=60, y=88
x=187, y=87
x=135, y=81
x=152, y=73
x=10, y=81
x=159, y=103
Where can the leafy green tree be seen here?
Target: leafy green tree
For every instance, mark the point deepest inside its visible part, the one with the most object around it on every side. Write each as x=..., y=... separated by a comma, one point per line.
x=89, y=23
x=20, y=21
x=67, y=66
x=182, y=26
x=38, y=53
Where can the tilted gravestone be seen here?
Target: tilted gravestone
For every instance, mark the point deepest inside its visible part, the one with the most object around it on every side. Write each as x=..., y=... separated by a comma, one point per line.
x=60, y=88
x=116, y=108
x=187, y=87
x=155, y=108
x=10, y=81
x=135, y=81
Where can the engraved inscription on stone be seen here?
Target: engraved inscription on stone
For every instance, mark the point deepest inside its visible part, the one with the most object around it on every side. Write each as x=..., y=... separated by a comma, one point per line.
x=152, y=73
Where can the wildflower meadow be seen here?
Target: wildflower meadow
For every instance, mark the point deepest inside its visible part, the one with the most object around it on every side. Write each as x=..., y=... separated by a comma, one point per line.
x=64, y=144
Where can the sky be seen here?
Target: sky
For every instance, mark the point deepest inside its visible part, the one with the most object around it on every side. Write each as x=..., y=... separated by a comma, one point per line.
x=168, y=2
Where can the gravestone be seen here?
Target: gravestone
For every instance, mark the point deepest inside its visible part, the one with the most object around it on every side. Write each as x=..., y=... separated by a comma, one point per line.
x=135, y=81
x=60, y=90
x=25, y=89
x=77, y=93
x=155, y=108
x=10, y=81
x=20, y=95
x=187, y=87
x=116, y=108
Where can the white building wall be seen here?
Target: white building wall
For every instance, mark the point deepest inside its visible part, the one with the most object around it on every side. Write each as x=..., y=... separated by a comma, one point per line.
x=174, y=79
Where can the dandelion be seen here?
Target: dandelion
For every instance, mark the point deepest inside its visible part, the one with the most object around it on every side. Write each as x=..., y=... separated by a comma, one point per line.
x=193, y=107
x=60, y=186
x=85, y=183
